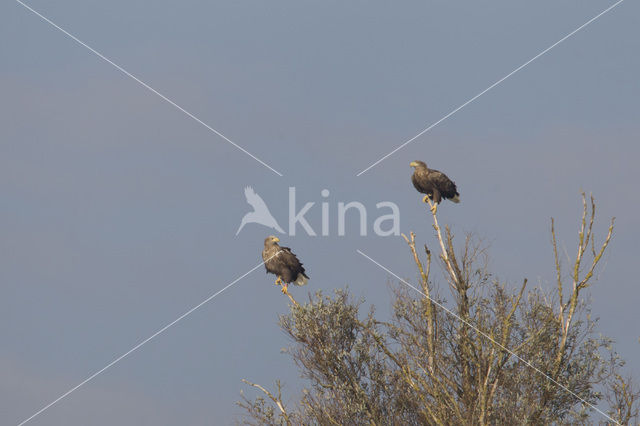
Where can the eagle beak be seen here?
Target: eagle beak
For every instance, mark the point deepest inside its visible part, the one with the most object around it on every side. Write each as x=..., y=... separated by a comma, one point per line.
x=413, y=164
x=276, y=239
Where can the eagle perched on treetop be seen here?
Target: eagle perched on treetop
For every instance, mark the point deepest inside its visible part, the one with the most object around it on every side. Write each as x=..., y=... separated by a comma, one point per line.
x=281, y=262
x=433, y=183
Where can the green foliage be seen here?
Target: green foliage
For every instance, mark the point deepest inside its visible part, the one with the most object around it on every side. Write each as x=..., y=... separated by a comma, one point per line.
x=500, y=356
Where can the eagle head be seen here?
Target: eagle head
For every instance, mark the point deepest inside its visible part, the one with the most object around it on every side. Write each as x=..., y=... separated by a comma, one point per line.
x=271, y=240
x=417, y=164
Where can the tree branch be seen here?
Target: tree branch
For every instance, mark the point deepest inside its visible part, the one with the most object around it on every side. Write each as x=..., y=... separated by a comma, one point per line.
x=276, y=400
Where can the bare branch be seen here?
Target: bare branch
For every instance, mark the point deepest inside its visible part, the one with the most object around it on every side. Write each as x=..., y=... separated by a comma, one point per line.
x=444, y=254
x=276, y=400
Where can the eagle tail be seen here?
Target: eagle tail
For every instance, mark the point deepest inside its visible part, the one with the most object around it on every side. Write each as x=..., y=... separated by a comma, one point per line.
x=456, y=198
x=301, y=280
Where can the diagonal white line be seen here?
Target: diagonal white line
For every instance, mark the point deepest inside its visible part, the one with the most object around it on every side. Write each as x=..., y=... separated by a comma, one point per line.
x=136, y=347
x=145, y=85
x=491, y=87
x=490, y=338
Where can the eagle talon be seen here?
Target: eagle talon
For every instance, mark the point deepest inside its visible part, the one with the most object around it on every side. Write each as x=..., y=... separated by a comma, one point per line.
x=285, y=290
x=278, y=281
x=425, y=198
x=434, y=208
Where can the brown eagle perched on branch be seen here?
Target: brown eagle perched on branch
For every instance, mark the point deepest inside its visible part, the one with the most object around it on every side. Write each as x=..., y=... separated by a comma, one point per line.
x=433, y=183
x=281, y=262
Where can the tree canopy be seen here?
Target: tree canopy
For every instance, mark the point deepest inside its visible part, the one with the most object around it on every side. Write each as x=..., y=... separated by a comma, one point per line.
x=492, y=354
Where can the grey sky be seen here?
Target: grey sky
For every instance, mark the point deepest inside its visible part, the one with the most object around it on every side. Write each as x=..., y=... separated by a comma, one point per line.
x=118, y=212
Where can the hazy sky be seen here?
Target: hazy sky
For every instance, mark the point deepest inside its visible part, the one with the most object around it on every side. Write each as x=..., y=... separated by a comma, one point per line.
x=119, y=212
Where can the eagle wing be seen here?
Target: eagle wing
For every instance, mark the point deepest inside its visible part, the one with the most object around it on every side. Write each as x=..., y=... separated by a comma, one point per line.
x=291, y=261
x=445, y=185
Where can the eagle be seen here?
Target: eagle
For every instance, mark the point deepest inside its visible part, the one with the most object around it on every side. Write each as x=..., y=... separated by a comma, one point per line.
x=260, y=213
x=433, y=183
x=281, y=262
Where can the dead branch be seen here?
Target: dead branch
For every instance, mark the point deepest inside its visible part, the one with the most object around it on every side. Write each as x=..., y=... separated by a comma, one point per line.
x=430, y=309
x=444, y=255
x=276, y=400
